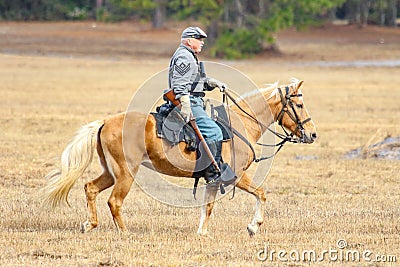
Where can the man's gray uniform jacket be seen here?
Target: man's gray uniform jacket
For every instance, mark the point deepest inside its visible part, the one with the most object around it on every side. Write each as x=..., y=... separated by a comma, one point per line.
x=184, y=72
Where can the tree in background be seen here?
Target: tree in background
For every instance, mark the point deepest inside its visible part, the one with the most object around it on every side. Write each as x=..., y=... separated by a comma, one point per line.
x=45, y=9
x=241, y=28
x=365, y=12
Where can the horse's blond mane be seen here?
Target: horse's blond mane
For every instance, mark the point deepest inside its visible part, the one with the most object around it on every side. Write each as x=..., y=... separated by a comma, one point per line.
x=258, y=91
x=272, y=89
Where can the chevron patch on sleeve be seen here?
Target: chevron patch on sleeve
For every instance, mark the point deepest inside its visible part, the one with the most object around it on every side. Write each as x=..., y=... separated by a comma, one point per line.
x=182, y=68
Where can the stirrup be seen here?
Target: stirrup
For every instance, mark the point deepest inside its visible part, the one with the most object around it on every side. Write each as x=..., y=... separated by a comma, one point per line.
x=214, y=180
x=216, y=183
x=228, y=176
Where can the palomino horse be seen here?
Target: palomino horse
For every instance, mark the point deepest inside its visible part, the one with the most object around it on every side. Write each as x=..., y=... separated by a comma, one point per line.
x=119, y=169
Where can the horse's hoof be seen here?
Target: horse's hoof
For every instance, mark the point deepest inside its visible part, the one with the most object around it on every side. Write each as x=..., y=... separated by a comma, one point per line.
x=202, y=232
x=85, y=227
x=252, y=230
x=204, y=236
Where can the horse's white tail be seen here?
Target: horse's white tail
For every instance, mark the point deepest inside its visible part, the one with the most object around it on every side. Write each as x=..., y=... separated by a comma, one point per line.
x=74, y=160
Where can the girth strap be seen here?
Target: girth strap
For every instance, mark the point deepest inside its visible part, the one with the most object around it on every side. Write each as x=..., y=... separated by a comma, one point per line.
x=238, y=134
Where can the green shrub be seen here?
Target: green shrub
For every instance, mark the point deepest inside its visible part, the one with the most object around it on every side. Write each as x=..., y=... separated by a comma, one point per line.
x=239, y=43
x=78, y=14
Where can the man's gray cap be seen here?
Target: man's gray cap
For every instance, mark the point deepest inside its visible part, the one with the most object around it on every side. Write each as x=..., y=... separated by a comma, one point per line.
x=193, y=32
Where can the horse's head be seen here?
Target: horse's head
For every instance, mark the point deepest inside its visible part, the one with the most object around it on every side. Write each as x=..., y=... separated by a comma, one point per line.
x=293, y=114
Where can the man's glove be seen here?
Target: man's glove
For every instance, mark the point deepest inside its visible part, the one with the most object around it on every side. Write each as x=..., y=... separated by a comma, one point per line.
x=213, y=83
x=185, y=107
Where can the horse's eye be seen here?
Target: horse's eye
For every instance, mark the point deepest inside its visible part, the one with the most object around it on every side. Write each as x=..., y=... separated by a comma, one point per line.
x=300, y=105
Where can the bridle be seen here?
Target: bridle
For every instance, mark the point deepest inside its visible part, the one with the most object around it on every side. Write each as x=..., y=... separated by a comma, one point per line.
x=287, y=101
x=287, y=105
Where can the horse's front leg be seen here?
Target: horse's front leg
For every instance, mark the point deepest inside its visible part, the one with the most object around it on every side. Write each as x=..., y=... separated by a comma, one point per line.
x=245, y=184
x=210, y=193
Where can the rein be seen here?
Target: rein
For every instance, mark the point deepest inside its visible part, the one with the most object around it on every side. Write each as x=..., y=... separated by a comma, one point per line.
x=287, y=100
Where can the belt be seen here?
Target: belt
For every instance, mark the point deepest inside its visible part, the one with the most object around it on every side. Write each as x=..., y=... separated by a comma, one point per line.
x=198, y=94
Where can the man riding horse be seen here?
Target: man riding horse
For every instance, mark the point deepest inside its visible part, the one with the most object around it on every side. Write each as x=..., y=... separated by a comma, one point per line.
x=188, y=84
x=121, y=153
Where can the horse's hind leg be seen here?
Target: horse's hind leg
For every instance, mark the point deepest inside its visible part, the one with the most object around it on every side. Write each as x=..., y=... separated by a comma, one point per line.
x=123, y=183
x=92, y=189
x=206, y=209
x=245, y=184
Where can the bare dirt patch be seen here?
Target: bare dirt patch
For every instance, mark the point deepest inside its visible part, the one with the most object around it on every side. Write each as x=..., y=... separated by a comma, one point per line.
x=340, y=43
x=138, y=41
x=389, y=149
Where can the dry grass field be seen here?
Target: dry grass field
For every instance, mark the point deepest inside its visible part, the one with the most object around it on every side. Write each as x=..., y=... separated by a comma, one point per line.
x=55, y=77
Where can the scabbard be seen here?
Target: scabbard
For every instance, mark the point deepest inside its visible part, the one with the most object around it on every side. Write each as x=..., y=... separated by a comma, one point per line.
x=205, y=146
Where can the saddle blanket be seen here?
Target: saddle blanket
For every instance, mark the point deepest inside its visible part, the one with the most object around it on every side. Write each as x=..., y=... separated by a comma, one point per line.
x=171, y=126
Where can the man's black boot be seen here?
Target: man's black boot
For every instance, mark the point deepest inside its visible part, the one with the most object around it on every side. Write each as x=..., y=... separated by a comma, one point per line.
x=211, y=175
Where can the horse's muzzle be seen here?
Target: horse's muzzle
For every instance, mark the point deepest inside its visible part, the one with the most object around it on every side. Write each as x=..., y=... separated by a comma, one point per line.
x=308, y=138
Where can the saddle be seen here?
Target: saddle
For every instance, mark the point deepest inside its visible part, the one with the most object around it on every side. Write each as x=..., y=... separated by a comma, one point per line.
x=171, y=126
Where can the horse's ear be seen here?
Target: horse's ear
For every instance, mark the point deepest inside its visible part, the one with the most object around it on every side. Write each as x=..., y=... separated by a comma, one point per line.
x=299, y=84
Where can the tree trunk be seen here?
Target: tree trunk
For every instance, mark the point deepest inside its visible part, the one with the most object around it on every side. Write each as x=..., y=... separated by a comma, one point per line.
x=364, y=8
x=226, y=13
x=99, y=4
x=353, y=11
x=392, y=13
x=239, y=20
x=261, y=8
x=160, y=14
x=99, y=11
x=212, y=32
x=382, y=12
x=332, y=14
